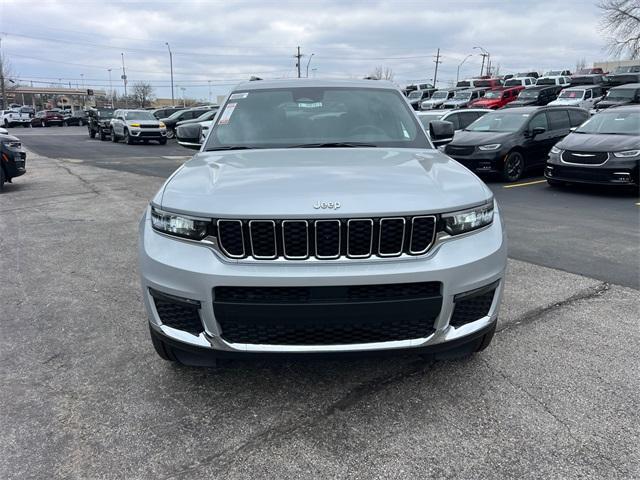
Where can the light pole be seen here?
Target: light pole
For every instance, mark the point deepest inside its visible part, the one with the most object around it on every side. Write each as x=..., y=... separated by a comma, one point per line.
x=171, y=67
x=124, y=80
x=209, y=82
x=308, y=62
x=110, y=87
x=461, y=63
x=484, y=55
x=183, y=100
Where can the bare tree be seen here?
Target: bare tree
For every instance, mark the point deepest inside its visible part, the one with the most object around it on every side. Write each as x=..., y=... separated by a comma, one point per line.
x=7, y=84
x=381, y=73
x=143, y=94
x=621, y=20
x=580, y=64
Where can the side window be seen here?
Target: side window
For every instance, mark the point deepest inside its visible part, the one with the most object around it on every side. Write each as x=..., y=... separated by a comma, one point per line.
x=539, y=120
x=576, y=117
x=467, y=118
x=455, y=120
x=558, y=119
x=587, y=94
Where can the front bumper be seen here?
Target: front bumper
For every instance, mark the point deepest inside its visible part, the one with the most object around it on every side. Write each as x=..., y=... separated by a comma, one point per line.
x=147, y=132
x=14, y=162
x=625, y=174
x=481, y=162
x=190, y=271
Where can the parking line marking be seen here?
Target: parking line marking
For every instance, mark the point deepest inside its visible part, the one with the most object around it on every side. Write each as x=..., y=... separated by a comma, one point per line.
x=524, y=184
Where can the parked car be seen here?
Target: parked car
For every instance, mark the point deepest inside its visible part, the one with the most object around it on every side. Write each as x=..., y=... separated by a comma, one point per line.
x=165, y=112
x=603, y=150
x=460, y=119
x=28, y=110
x=539, y=95
x=77, y=118
x=14, y=117
x=46, y=118
x=137, y=125
x=486, y=83
x=187, y=114
x=463, y=98
x=416, y=97
x=99, y=122
x=520, y=82
x=418, y=86
x=557, y=73
x=13, y=159
x=279, y=183
x=511, y=141
x=623, y=75
x=555, y=80
x=583, y=97
x=438, y=98
x=597, y=79
x=206, y=116
x=527, y=74
x=497, y=98
x=617, y=96
x=588, y=71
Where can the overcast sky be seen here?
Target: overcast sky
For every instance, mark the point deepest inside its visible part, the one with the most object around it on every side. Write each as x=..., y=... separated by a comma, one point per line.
x=224, y=42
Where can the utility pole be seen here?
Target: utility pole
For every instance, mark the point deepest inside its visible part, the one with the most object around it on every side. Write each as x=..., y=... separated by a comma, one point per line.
x=437, y=61
x=209, y=82
x=298, y=56
x=171, y=66
x=2, y=90
x=308, y=62
x=110, y=88
x=484, y=55
x=124, y=80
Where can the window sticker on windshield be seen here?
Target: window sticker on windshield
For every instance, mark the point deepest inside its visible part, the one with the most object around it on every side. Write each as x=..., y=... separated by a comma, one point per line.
x=310, y=105
x=238, y=96
x=226, y=115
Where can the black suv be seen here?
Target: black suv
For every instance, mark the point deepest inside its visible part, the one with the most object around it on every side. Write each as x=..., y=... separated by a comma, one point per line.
x=181, y=115
x=99, y=122
x=510, y=141
x=165, y=112
x=618, y=96
x=12, y=159
x=623, y=75
x=536, y=96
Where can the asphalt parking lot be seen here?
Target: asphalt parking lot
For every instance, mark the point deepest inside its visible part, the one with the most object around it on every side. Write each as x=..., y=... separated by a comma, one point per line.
x=85, y=396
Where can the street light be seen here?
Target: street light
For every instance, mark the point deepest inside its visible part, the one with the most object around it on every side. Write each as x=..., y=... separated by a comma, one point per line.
x=110, y=87
x=461, y=63
x=170, y=66
x=183, y=101
x=484, y=55
x=308, y=62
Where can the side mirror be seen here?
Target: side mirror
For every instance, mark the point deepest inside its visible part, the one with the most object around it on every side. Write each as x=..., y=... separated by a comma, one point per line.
x=189, y=135
x=441, y=132
x=537, y=131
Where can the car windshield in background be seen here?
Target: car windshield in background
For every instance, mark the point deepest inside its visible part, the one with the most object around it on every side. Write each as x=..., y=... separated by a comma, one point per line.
x=314, y=117
x=105, y=113
x=462, y=96
x=483, y=83
x=554, y=73
x=139, y=115
x=493, y=95
x=426, y=119
x=546, y=81
x=175, y=115
x=463, y=84
x=207, y=115
x=529, y=94
x=573, y=94
x=499, y=122
x=415, y=94
x=621, y=94
x=612, y=123
x=440, y=95
x=512, y=83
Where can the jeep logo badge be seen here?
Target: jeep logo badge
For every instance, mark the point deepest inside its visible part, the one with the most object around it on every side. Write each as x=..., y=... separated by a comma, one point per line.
x=327, y=205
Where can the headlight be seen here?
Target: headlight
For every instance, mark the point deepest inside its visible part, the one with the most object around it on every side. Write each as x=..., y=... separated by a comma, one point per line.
x=13, y=145
x=493, y=146
x=135, y=125
x=181, y=226
x=555, y=150
x=467, y=220
x=162, y=125
x=627, y=154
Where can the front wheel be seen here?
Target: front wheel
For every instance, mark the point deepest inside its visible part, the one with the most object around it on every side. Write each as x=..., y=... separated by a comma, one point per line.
x=114, y=137
x=170, y=134
x=513, y=167
x=128, y=139
x=103, y=136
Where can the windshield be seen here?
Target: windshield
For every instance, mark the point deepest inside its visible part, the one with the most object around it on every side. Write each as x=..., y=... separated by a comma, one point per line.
x=316, y=116
x=546, y=81
x=553, y=73
x=427, y=118
x=107, y=113
x=440, y=95
x=621, y=94
x=415, y=94
x=207, y=115
x=612, y=123
x=499, y=122
x=572, y=94
x=529, y=94
x=462, y=96
x=139, y=115
x=513, y=83
x=493, y=95
x=466, y=83
x=175, y=115
x=483, y=83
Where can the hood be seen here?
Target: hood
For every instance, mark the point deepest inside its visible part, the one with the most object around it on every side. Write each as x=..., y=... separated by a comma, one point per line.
x=456, y=102
x=289, y=182
x=153, y=122
x=583, y=142
x=465, y=138
x=5, y=137
x=522, y=103
x=611, y=103
x=434, y=102
x=566, y=101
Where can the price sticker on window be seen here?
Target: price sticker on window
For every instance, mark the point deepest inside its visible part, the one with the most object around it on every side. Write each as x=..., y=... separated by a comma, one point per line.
x=226, y=115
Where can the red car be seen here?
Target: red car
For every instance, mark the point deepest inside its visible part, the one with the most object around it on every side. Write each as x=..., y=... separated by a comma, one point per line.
x=46, y=118
x=497, y=98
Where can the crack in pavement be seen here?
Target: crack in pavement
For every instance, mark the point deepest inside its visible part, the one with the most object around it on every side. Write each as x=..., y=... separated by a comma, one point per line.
x=227, y=456
x=79, y=177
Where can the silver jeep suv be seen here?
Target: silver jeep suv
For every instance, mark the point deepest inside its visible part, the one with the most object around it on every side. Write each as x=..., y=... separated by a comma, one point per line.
x=317, y=217
x=137, y=125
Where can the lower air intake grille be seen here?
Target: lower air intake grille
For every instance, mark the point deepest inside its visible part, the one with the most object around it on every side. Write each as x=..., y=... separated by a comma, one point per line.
x=469, y=308
x=178, y=313
x=327, y=315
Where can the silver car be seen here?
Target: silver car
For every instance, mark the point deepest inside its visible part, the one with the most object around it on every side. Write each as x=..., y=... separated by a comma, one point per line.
x=317, y=217
x=137, y=125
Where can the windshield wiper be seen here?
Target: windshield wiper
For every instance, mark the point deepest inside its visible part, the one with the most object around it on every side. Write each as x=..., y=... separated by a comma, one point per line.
x=232, y=147
x=333, y=145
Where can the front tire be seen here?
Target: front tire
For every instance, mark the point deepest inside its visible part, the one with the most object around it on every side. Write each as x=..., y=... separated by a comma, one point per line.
x=170, y=134
x=103, y=136
x=513, y=167
x=128, y=139
x=114, y=137
x=2, y=179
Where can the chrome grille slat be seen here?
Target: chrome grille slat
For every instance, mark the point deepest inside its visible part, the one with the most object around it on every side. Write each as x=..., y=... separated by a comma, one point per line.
x=326, y=239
